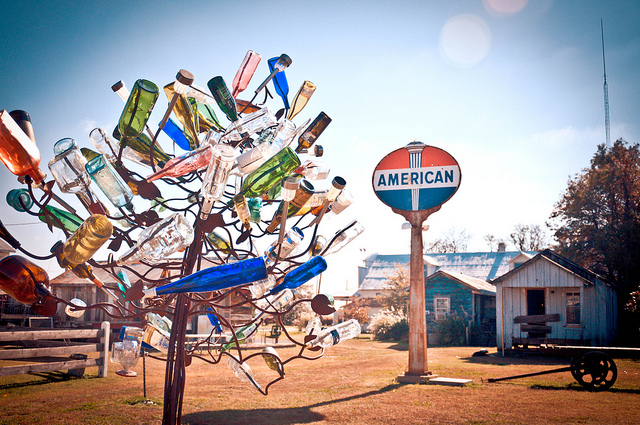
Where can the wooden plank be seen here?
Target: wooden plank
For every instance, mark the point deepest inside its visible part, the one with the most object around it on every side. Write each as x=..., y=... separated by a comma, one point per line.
x=49, y=367
x=50, y=334
x=541, y=318
x=29, y=353
x=535, y=328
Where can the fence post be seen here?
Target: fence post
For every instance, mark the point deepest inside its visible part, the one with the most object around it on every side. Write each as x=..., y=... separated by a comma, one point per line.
x=104, y=354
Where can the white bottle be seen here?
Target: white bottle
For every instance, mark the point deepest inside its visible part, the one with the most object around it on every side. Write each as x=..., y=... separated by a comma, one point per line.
x=335, y=334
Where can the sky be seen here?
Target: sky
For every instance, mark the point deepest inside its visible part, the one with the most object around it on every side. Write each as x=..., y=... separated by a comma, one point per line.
x=513, y=89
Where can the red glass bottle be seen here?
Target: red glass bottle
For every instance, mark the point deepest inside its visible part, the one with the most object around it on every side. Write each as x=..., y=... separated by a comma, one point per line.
x=17, y=151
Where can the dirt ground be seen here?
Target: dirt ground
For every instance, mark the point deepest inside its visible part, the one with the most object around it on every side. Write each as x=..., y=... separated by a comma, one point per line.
x=353, y=383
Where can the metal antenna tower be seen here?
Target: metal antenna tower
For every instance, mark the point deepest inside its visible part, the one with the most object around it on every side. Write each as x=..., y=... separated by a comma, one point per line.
x=606, y=94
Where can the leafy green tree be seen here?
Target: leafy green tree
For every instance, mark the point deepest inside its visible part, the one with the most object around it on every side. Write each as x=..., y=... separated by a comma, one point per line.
x=596, y=223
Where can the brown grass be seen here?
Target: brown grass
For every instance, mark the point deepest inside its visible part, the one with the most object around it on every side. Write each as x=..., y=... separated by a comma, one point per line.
x=354, y=383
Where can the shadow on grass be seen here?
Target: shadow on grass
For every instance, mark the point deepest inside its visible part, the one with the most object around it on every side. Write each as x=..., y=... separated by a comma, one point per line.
x=577, y=387
x=291, y=415
x=46, y=378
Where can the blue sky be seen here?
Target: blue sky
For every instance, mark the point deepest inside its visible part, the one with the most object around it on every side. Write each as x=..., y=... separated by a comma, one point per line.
x=516, y=98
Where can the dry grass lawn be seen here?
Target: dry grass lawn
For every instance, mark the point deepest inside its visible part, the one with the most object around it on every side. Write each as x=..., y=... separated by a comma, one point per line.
x=354, y=383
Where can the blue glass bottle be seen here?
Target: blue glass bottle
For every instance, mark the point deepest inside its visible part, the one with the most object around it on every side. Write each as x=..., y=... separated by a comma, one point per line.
x=215, y=278
x=301, y=274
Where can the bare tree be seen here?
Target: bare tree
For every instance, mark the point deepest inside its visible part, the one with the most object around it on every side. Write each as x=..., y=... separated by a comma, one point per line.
x=452, y=241
x=528, y=237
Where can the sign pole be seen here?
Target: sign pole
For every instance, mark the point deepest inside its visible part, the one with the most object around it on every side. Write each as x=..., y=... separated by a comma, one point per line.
x=418, y=363
x=415, y=181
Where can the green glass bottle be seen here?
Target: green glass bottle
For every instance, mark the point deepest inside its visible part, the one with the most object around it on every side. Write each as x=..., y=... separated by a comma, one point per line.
x=207, y=119
x=61, y=219
x=223, y=97
x=137, y=149
x=138, y=108
x=269, y=174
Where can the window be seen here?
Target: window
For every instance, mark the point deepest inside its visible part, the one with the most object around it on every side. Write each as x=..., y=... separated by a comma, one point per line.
x=573, y=308
x=441, y=308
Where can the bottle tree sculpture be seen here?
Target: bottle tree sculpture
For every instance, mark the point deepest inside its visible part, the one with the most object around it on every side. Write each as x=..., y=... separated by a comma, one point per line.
x=212, y=219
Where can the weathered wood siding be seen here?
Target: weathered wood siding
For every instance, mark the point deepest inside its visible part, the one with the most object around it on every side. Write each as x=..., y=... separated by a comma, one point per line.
x=460, y=295
x=598, y=319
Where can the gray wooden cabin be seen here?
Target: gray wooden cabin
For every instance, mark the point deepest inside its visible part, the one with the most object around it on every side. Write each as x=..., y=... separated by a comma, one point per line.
x=551, y=300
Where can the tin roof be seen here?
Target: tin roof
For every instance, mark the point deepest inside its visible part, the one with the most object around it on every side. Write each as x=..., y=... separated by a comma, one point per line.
x=475, y=284
x=484, y=266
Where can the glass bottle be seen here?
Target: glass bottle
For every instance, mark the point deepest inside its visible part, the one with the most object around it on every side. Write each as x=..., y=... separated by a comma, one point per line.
x=272, y=359
x=213, y=319
x=156, y=338
x=184, y=164
x=19, y=199
x=251, y=159
x=174, y=132
x=243, y=372
x=90, y=154
x=138, y=108
x=335, y=334
x=215, y=179
x=68, y=170
x=110, y=182
x=27, y=283
x=313, y=170
x=85, y=241
x=302, y=195
x=276, y=302
x=312, y=132
x=343, y=237
x=206, y=117
x=280, y=82
x=160, y=240
x=242, y=334
x=248, y=125
x=318, y=245
x=219, y=242
x=24, y=122
x=245, y=72
x=184, y=111
x=344, y=199
x=255, y=204
x=215, y=278
x=137, y=149
x=270, y=173
x=301, y=274
x=291, y=240
x=259, y=288
x=314, y=325
x=76, y=310
x=223, y=97
x=276, y=66
x=242, y=209
x=17, y=151
x=104, y=144
x=315, y=150
x=314, y=204
x=301, y=98
x=61, y=219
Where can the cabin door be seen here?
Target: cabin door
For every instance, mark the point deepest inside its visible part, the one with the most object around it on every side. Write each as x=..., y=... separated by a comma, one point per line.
x=535, y=302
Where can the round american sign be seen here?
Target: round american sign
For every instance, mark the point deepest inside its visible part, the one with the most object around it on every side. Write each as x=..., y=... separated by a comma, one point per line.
x=416, y=177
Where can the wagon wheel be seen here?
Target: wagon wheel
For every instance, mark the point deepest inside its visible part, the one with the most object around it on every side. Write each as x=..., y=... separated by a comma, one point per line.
x=595, y=370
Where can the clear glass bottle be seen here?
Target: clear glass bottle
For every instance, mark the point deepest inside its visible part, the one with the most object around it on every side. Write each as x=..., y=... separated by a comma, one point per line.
x=137, y=110
x=291, y=240
x=76, y=310
x=17, y=151
x=68, y=170
x=157, y=338
x=85, y=241
x=137, y=149
x=184, y=164
x=345, y=236
x=19, y=199
x=302, y=195
x=341, y=203
x=276, y=302
x=104, y=144
x=110, y=182
x=248, y=125
x=314, y=325
x=245, y=72
x=243, y=372
x=301, y=98
x=270, y=173
x=313, y=170
x=301, y=274
x=259, y=288
x=251, y=159
x=334, y=334
x=312, y=132
x=159, y=241
x=215, y=278
x=215, y=179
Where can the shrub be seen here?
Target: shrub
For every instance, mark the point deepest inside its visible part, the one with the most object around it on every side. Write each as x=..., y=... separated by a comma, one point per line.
x=452, y=331
x=390, y=325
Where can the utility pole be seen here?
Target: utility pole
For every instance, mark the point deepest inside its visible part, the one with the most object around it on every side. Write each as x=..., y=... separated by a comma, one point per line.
x=606, y=94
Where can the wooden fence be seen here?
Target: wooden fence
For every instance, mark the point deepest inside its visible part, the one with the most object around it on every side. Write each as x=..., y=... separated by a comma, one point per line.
x=55, y=342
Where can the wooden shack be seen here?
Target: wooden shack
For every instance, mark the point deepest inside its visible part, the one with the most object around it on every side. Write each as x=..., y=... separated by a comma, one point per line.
x=549, y=300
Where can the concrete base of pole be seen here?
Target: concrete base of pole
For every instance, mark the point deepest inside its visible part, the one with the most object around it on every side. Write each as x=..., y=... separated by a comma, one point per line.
x=415, y=379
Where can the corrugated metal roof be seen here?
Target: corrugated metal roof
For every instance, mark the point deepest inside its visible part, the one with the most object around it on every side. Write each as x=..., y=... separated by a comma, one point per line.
x=484, y=266
x=472, y=282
